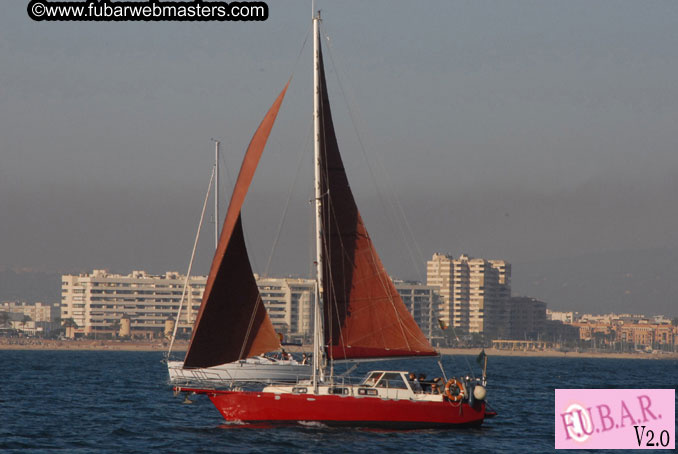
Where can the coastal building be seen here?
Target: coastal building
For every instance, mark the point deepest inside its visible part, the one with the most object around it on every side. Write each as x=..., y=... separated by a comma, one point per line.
x=564, y=317
x=30, y=319
x=636, y=331
x=94, y=304
x=473, y=292
x=140, y=304
x=289, y=302
x=648, y=335
x=422, y=301
x=527, y=317
x=559, y=333
x=37, y=312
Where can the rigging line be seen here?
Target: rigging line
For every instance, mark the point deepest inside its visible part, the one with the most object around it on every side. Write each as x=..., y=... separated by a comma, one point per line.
x=304, y=150
x=327, y=225
x=369, y=167
x=465, y=358
x=328, y=284
x=294, y=68
x=229, y=181
x=347, y=257
x=379, y=274
x=250, y=256
x=389, y=181
x=303, y=46
x=190, y=264
x=250, y=325
x=329, y=214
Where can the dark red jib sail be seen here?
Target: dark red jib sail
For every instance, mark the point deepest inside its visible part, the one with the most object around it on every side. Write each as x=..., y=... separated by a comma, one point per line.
x=364, y=314
x=232, y=323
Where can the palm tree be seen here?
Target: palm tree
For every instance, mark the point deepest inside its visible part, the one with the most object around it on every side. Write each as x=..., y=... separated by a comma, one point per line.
x=4, y=318
x=115, y=327
x=25, y=319
x=69, y=324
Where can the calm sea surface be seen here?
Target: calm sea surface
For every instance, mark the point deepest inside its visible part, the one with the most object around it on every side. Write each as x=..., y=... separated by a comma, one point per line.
x=119, y=402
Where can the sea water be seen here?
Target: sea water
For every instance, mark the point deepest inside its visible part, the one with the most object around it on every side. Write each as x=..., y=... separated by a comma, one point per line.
x=120, y=402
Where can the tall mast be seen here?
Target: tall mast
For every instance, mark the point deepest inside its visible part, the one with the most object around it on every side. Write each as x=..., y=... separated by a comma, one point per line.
x=318, y=322
x=216, y=193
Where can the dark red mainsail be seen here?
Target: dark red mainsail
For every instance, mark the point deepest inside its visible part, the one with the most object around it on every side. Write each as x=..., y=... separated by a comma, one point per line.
x=232, y=323
x=363, y=312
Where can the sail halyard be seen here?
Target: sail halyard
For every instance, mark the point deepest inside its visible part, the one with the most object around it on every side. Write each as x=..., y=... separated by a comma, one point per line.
x=363, y=314
x=232, y=323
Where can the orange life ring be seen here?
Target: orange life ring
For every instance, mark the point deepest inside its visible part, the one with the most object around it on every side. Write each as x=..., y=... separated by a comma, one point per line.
x=450, y=387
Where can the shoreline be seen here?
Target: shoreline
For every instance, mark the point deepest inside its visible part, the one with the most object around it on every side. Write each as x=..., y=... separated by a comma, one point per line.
x=182, y=345
x=559, y=354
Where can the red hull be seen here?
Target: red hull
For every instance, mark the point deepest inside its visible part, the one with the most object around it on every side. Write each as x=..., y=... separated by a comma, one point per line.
x=333, y=410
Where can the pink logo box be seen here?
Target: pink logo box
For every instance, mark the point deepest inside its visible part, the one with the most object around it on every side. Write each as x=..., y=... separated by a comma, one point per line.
x=615, y=418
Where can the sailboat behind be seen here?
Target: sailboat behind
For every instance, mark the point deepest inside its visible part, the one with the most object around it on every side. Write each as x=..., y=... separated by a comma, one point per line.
x=232, y=331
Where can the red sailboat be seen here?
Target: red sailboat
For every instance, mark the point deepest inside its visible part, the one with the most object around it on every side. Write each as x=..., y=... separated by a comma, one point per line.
x=359, y=315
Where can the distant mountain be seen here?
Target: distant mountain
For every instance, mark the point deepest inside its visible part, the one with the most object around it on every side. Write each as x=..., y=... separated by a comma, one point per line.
x=30, y=286
x=644, y=281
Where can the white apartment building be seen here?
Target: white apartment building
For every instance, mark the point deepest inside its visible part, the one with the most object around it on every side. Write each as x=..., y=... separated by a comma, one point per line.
x=473, y=292
x=97, y=302
x=565, y=317
x=289, y=302
x=32, y=319
x=38, y=312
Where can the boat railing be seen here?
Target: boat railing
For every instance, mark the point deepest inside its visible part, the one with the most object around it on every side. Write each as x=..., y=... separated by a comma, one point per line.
x=206, y=378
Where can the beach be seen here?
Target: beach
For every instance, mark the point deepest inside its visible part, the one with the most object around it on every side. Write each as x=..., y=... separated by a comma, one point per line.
x=88, y=344
x=559, y=354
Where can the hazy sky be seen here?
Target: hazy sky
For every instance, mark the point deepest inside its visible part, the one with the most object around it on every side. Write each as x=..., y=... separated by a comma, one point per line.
x=522, y=130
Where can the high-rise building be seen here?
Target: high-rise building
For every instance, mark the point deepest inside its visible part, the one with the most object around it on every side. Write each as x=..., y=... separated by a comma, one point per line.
x=527, y=318
x=422, y=302
x=473, y=292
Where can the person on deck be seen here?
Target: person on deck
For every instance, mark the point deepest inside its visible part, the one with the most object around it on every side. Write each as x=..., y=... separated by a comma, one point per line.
x=425, y=385
x=416, y=386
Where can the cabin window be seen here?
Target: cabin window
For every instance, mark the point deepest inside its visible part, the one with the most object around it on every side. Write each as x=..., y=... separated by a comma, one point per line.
x=367, y=392
x=372, y=379
x=299, y=390
x=392, y=380
x=338, y=391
